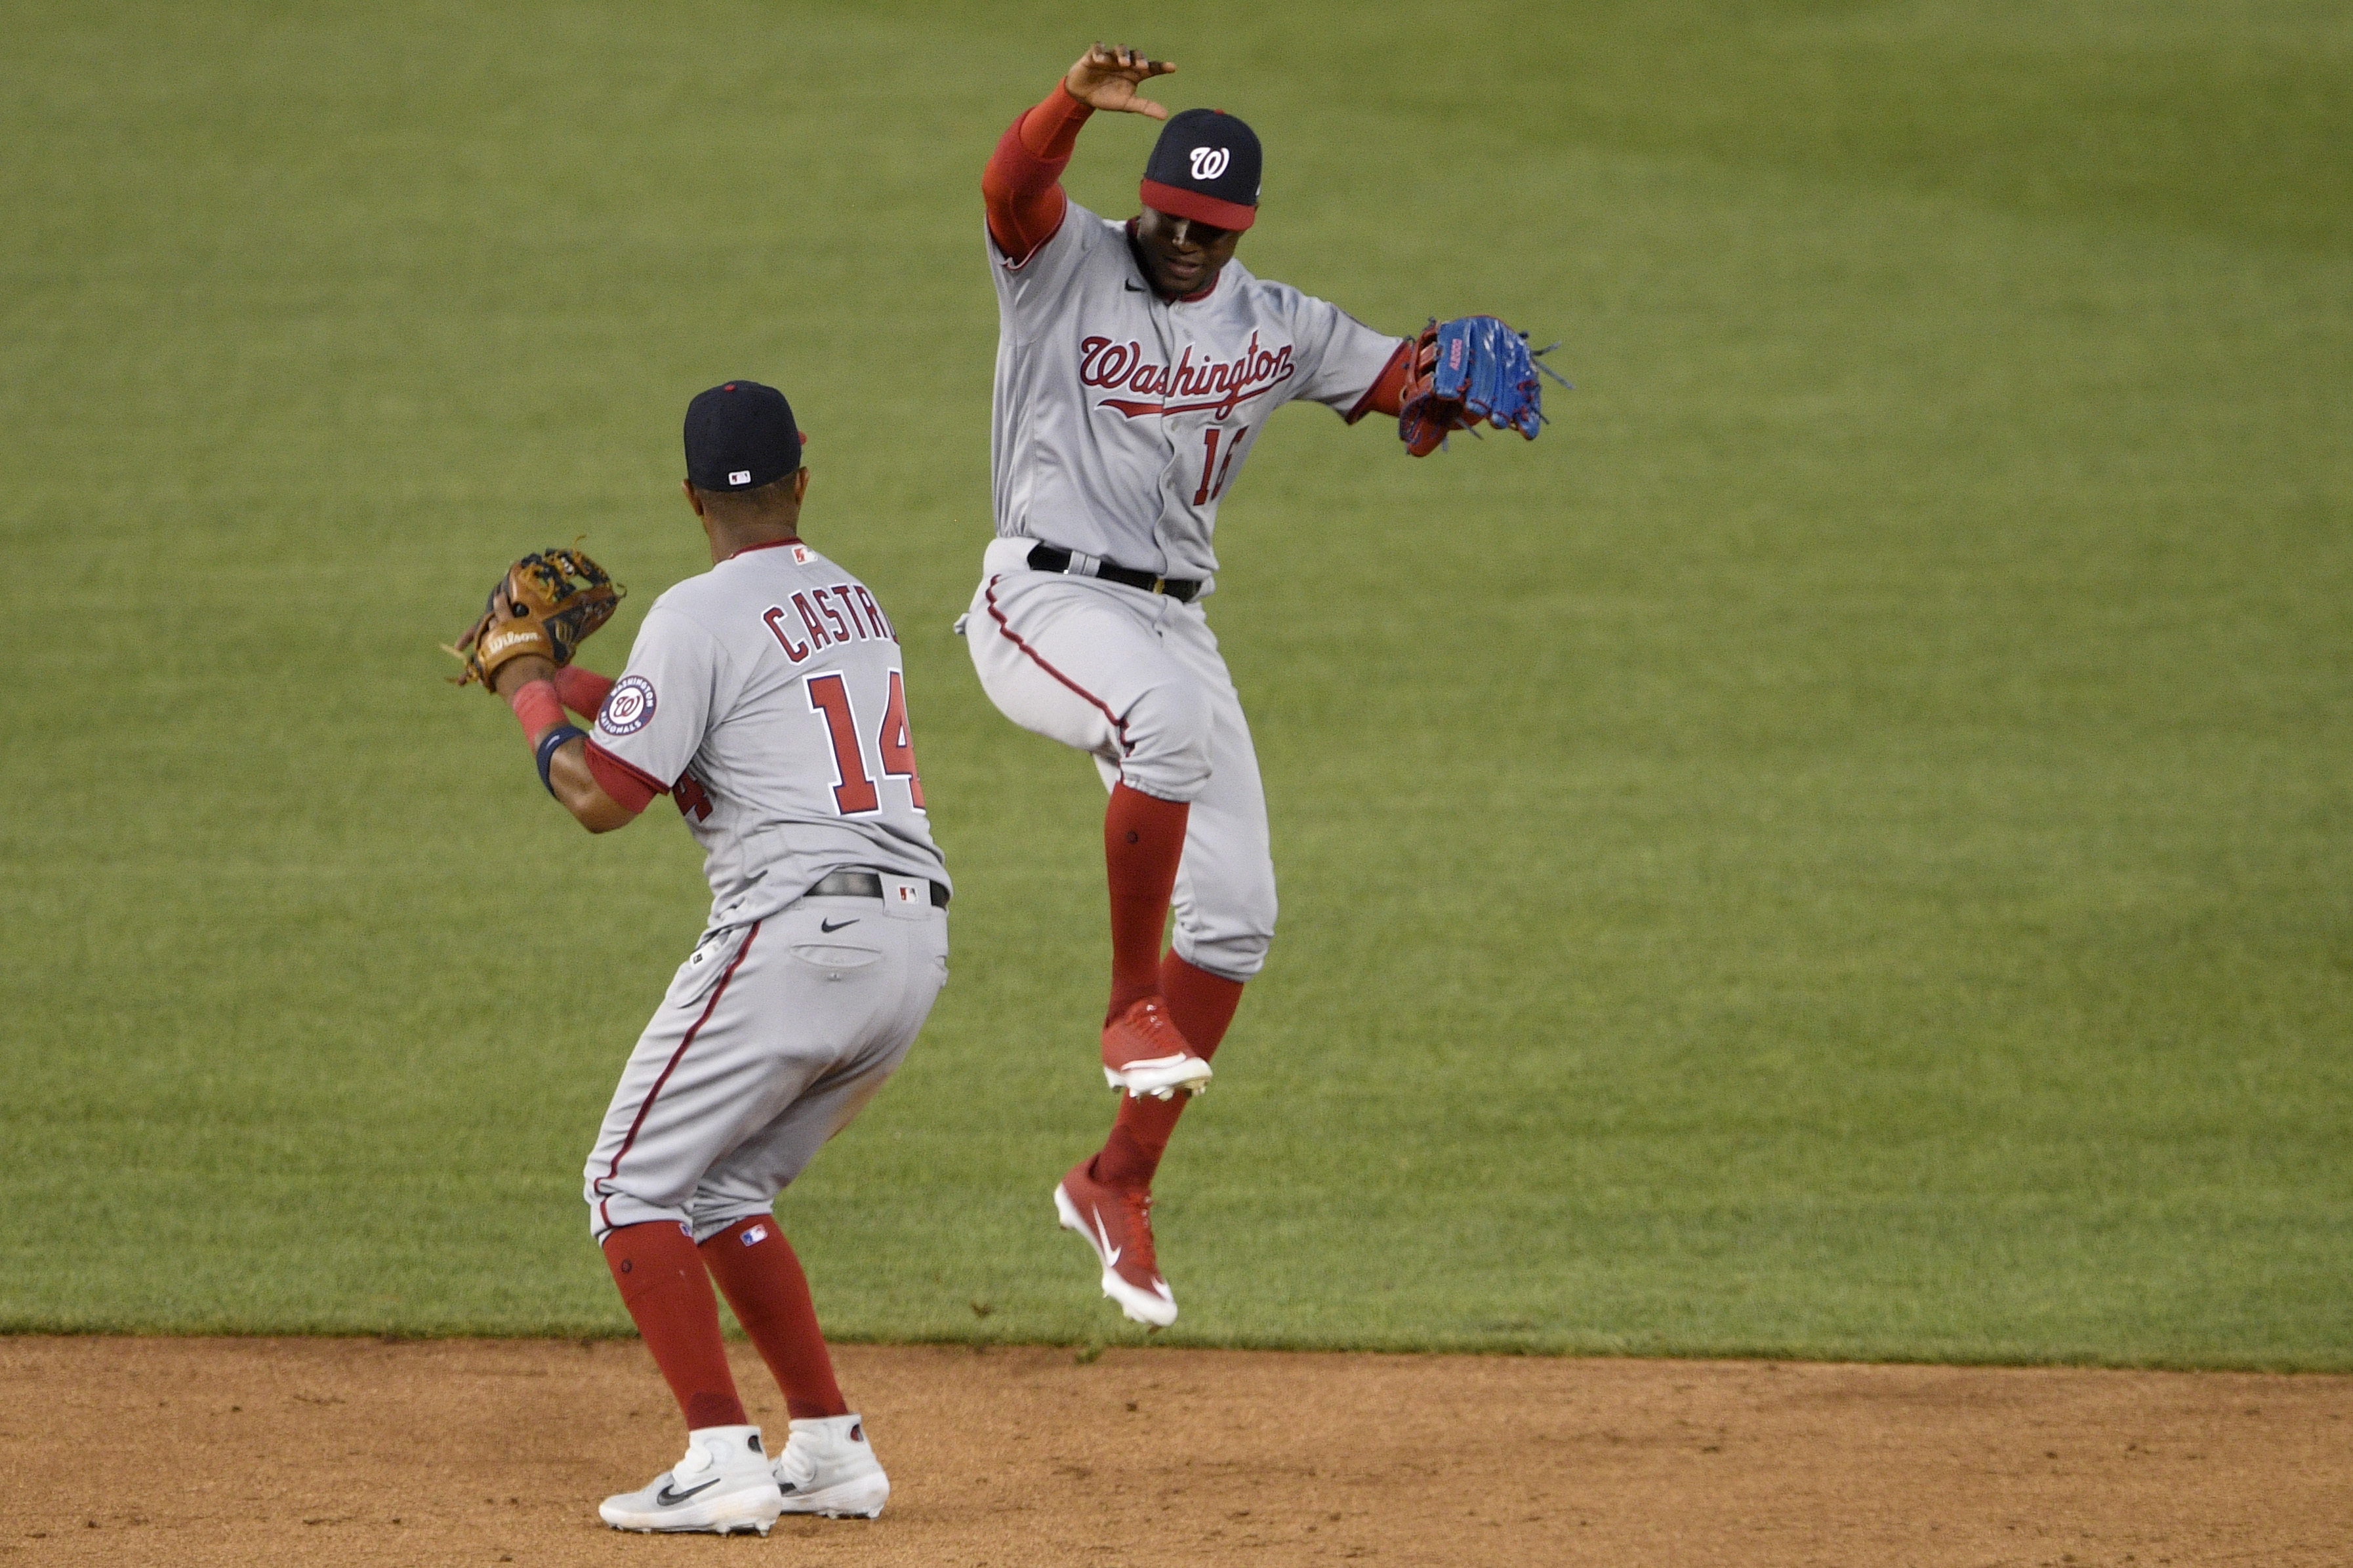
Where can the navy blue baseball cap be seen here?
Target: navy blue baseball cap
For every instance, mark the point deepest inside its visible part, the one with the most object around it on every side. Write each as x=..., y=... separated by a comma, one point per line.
x=1204, y=167
x=740, y=436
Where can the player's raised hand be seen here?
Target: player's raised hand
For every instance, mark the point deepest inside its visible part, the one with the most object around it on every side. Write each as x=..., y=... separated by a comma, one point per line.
x=1108, y=75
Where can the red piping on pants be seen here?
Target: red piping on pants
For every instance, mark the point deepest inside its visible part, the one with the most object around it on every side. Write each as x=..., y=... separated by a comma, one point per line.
x=612, y=1170
x=1007, y=631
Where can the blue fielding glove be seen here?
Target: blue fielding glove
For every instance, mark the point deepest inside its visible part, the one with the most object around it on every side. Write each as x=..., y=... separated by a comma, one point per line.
x=1469, y=371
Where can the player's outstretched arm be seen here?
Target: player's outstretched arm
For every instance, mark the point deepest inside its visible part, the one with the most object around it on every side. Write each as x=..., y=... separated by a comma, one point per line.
x=1022, y=183
x=529, y=685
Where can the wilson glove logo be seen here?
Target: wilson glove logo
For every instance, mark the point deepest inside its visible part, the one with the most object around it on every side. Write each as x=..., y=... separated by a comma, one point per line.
x=1209, y=163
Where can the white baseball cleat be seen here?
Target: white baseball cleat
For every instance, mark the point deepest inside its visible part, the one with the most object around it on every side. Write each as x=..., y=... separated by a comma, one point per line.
x=723, y=1486
x=1143, y=1053
x=1117, y=1223
x=828, y=1468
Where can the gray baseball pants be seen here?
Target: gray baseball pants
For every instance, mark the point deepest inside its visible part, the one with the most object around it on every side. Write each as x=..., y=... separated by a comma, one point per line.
x=773, y=1035
x=1135, y=680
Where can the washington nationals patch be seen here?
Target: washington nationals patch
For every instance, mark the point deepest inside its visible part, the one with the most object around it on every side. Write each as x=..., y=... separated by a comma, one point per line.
x=628, y=706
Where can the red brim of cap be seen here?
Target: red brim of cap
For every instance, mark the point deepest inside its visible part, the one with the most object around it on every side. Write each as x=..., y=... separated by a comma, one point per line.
x=1181, y=203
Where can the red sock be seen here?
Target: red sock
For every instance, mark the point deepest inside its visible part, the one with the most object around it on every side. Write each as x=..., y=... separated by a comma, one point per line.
x=1202, y=1005
x=669, y=1297
x=1144, y=838
x=755, y=1266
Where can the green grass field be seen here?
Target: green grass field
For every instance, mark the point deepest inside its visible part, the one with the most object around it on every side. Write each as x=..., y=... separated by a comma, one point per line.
x=1842, y=848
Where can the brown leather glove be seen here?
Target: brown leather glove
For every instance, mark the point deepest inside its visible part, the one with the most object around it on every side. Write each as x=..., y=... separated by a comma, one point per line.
x=547, y=603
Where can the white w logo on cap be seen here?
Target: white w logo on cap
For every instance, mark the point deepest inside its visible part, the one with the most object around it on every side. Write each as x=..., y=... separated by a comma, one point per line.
x=1209, y=163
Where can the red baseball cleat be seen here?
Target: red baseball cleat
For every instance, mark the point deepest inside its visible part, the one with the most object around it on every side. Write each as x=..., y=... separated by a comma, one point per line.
x=1117, y=1223
x=1143, y=1054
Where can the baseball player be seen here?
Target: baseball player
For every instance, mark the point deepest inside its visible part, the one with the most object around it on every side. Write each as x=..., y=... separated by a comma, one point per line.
x=1136, y=364
x=767, y=698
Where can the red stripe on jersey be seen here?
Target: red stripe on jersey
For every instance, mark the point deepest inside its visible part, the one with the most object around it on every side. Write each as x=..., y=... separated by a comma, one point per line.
x=1132, y=409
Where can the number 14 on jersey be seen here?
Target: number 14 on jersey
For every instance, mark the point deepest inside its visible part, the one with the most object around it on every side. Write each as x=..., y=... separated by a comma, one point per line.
x=855, y=792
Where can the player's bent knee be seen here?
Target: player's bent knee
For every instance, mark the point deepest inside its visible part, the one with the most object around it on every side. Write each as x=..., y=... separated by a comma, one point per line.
x=710, y=1216
x=1167, y=734
x=611, y=1208
x=1232, y=937
x=1236, y=957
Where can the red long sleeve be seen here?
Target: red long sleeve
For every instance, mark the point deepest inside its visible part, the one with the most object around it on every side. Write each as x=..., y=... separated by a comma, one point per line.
x=620, y=781
x=1387, y=394
x=583, y=691
x=1023, y=181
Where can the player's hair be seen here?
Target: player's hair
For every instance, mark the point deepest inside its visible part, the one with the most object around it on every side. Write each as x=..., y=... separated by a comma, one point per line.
x=770, y=502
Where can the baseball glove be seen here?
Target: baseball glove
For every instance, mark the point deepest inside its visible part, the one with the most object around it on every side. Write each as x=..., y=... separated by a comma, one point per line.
x=547, y=603
x=1470, y=370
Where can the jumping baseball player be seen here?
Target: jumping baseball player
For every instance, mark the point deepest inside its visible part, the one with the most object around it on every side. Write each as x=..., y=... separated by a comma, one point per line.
x=767, y=698
x=1136, y=364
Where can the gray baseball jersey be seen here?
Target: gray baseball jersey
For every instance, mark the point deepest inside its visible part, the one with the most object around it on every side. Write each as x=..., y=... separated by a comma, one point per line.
x=767, y=698
x=1121, y=418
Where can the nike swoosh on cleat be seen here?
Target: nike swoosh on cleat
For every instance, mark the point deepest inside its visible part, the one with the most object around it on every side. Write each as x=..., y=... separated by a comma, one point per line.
x=830, y=925
x=668, y=1498
x=1111, y=1254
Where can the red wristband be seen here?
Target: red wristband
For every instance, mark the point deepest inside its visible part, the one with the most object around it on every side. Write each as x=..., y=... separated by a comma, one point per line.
x=537, y=705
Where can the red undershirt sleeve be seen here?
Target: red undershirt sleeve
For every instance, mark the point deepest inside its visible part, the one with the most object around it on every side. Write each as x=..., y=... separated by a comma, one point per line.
x=1022, y=184
x=623, y=783
x=1387, y=394
x=583, y=691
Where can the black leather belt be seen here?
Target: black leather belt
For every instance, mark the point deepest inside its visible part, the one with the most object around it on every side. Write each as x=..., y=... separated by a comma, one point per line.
x=1046, y=558
x=863, y=885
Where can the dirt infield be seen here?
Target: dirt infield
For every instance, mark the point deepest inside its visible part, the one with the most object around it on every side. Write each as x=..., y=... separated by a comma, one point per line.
x=200, y=1452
